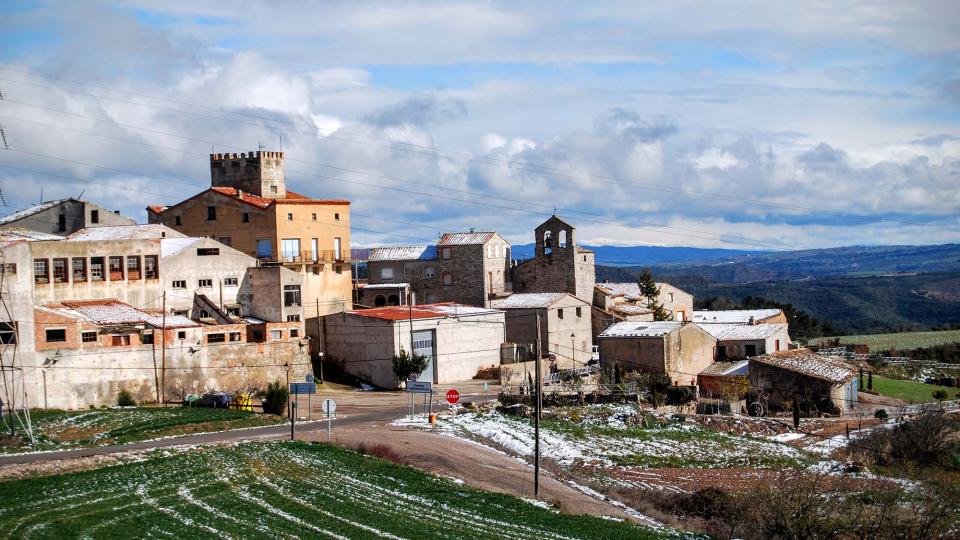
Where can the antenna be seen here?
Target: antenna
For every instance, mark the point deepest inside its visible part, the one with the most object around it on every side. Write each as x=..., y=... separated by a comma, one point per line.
x=281, y=143
x=80, y=196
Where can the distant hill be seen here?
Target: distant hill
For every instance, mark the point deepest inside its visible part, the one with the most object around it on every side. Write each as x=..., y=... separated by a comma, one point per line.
x=648, y=255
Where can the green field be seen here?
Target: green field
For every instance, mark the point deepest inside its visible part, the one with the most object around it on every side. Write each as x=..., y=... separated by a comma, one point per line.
x=278, y=489
x=55, y=430
x=903, y=341
x=909, y=391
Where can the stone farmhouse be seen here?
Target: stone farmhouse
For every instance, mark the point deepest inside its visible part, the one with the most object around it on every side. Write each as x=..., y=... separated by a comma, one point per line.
x=777, y=378
x=740, y=341
x=249, y=208
x=146, y=309
x=679, y=350
x=618, y=302
x=471, y=268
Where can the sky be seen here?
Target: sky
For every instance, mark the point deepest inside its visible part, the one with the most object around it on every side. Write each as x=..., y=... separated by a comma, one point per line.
x=740, y=125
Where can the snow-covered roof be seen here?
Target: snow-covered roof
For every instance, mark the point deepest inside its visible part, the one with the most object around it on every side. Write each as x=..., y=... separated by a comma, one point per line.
x=742, y=332
x=530, y=300
x=384, y=285
x=122, y=232
x=628, y=290
x=735, y=316
x=27, y=212
x=465, y=238
x=13, y=234
x=172, y=246
x=113, y=313
x=641, y=329
x=424, y=311
x=809, y=363
x=740, y=367
x=402, y=253
x=631, y=309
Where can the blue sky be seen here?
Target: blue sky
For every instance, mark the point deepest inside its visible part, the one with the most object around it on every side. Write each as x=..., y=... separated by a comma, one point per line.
x=739, y=125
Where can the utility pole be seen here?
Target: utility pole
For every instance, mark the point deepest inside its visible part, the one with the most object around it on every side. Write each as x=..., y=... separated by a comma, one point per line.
x=163, y=352
x=536, y=419
x=319, y=340
x=411, y=298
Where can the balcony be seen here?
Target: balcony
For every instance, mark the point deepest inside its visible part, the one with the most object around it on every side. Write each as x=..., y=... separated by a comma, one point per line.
x=304, y=257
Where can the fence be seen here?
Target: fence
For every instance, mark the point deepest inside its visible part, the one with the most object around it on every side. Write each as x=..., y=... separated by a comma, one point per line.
x=560, y=376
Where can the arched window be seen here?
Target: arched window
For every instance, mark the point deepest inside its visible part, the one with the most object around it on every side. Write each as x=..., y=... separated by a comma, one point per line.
x=548, y=239
x=393, y=300
x=563, y=239
x=379, y=301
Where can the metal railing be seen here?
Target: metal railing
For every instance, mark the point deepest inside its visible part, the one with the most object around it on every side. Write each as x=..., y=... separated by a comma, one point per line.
x=304, y=257
x=561, y=375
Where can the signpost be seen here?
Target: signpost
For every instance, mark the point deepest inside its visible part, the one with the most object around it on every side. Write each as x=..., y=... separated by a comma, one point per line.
x=419, y=387
x=453, y=397
x=309, y=378
x=329, y=407
x=297, y=388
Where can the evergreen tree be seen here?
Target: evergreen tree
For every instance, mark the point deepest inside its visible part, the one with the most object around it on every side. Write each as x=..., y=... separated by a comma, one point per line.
x=796, y=413
x=651, y=292
x=870, y=380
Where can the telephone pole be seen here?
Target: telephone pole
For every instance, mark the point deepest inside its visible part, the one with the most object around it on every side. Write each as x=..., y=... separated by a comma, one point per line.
x=163, y=352
x=319, y=341
x=536, y=418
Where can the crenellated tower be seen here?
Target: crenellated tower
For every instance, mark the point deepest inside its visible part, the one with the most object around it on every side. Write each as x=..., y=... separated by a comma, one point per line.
x=259, y=173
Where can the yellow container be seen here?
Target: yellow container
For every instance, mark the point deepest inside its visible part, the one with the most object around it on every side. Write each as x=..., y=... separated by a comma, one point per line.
x=433, y=419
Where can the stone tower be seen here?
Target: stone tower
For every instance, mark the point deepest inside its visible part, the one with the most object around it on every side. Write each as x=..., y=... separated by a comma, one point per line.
x=259, y=173
x=559, y=265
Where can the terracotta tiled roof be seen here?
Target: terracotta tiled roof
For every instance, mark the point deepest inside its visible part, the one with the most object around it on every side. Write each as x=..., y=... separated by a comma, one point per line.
x=425, y=311
x=156, y=208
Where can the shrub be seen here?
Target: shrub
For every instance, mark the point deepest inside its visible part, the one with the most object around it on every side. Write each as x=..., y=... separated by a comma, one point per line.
x=382, y=451
x=940, y=395
x=125, y=399
x=680, y=395
x=881, y=414
x=406, y=364
x=275, y=398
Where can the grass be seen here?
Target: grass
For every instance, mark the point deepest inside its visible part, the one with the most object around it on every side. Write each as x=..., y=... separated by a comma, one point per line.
x=278, y=489
x=903, y=341
x=56, y=430
x=909, y=391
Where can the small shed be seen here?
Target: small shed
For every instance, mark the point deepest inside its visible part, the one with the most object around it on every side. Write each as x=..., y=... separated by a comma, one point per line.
x=727, y=380
x=679, y=350
x=827, y=382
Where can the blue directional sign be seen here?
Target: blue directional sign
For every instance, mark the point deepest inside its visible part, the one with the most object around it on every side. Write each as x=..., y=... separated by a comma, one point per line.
x=419, y=387
x=303, y=388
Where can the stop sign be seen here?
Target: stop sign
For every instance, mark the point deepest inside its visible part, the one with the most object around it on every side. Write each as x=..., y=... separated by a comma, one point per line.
x=453, y=397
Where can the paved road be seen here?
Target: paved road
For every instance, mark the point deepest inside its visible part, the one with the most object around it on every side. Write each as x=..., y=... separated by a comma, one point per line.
x=355, y=408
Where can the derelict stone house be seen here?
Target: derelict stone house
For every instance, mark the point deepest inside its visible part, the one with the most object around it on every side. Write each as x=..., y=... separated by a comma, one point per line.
x=679, y=350
x=470, y=268
x=780, y=377
x=558, y=265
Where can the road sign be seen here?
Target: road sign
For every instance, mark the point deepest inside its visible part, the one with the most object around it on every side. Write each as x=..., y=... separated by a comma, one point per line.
x=302, y=388
x=420, y=387
x=308, y=377
x=453, y=397
x=329, y=406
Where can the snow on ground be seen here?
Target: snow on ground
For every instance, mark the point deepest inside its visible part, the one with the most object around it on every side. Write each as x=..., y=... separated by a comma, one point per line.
x=786, y=437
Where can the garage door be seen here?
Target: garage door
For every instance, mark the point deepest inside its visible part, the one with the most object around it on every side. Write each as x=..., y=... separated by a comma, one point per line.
x=423, y=344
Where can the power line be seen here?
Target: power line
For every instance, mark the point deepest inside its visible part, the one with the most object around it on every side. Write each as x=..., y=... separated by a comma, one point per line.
x=433, y=150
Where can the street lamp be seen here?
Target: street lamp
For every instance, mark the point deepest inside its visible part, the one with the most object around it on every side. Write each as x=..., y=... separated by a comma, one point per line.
x=573, y=348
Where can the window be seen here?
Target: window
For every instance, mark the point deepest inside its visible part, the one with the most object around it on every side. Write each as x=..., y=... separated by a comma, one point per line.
x=206, y=252
x=60, y=270
x=41, y=271
x=116, y=268
x=276, y=335
x=560, y=313
x=562, y=239
x=386, y=273
x=445, y=253
x=264, y=247
x=246, y=217
x=181, y=335
x=776, y=345
x=380, y=301
x=314, y=249
x=234, y=311
x=61, y=223
x=146, y=338
x=177, y=221
x=448, y=279
x=8, y=333
x=8, y=268
x=293, y=318
x=205, y=283
x=120, y=341
x=133, y=267
x=230, y=282
x=179, y=284
x=94, y=216
x=337, y=251
x=338, y=269
x=56, y=335
x=216, y=338
x=204, y=314
x=151, y=267
x=291, y=249
x=273, y=189
x=225, y=240
x=88, y=337
x=234, y=336
x=289, y=216
x=579, y=312
x=211, y=213
x=336, y=217
x=96, y=268
x=183, y=312
x=671, y=296
x=751, y=350
x=291, y=295
x=313, y=216
x=294, y=333
x=721, y=352
x=430, y=272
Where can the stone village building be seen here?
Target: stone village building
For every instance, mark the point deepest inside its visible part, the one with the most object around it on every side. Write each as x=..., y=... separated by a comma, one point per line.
x=679, y=350
x=249, y=208
x=471, y=268
x=87, y=315
x=740, y=341
x=558, y=265
x=777, y=378
x=618, y=302
x=63, y=217
x=564, y=325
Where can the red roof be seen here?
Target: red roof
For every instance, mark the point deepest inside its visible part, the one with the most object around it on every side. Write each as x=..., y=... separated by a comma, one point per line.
x=156, y=208
x=423, y=311
x=264, y=202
